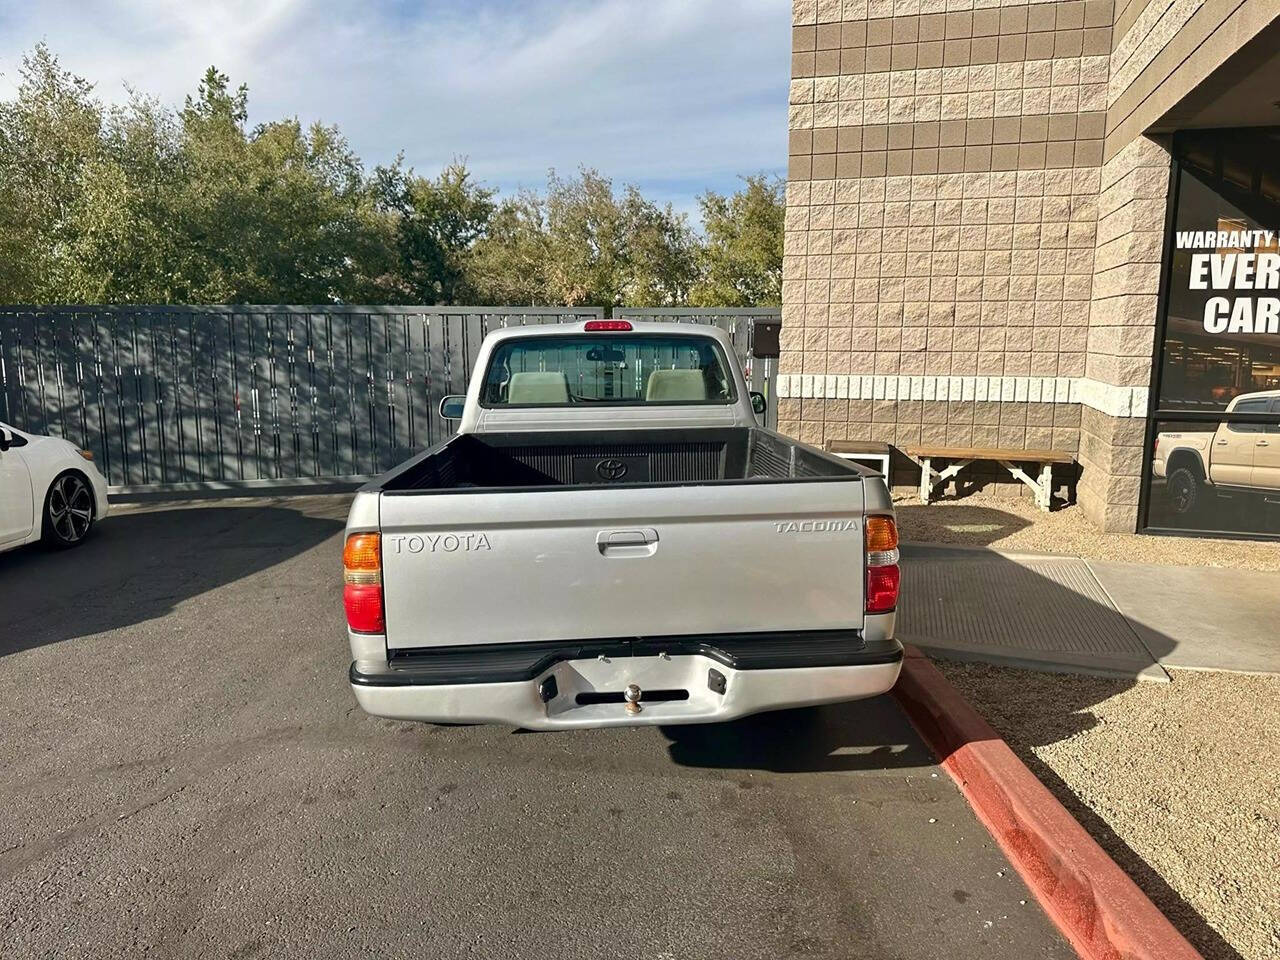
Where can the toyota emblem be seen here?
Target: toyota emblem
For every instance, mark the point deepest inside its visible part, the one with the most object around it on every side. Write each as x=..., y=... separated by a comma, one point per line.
x=611, y=469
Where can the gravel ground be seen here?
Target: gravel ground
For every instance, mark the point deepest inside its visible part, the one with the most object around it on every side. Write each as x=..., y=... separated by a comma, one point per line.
x=1177, y=781
x=1015, y=525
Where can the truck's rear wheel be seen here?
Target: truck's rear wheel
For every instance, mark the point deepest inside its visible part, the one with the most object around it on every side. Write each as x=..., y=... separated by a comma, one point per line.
x=1184, y=490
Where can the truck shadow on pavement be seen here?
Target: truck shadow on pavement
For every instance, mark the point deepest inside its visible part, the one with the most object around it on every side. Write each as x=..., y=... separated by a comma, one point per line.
x=138, y=565
x=860, y=735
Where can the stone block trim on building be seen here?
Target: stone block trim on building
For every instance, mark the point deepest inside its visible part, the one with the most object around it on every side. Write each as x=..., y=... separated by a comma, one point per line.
x=1104, y=397
x=1127, y=13
x=1131, y=223
x=836, y=121
x=1122, y=325
x=971, y=145
x=1110, y=457
x=992, y=34
x=901, y=423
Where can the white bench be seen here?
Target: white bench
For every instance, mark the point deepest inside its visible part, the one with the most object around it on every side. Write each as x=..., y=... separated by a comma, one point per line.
x=867, y=452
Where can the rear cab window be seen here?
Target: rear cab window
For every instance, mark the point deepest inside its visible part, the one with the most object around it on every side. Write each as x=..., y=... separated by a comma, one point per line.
x=607, y=368
x=1249, y=406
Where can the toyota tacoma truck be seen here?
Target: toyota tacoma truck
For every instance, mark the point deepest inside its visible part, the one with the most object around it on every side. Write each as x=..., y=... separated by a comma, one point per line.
x=1239, y=458
x=610, y=538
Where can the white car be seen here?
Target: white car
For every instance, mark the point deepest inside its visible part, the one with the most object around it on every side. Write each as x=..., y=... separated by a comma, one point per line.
x=50, y=490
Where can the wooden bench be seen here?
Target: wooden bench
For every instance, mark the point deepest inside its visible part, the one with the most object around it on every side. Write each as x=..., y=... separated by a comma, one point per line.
x=960, y=457
x=863, y=450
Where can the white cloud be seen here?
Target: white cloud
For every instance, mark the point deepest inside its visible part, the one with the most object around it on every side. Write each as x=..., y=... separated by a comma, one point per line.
x=677, y=94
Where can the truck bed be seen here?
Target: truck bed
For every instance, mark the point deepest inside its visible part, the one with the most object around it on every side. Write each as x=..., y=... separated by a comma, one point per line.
x=706, y=531
x=567, y=459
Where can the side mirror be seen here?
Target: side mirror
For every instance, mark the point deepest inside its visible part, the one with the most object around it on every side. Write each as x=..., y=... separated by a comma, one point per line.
x=6, y=439
x=758, y=402
x=451, y=407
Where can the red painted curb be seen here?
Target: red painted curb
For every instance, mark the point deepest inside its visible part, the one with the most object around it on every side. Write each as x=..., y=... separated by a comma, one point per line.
x=1100, y=910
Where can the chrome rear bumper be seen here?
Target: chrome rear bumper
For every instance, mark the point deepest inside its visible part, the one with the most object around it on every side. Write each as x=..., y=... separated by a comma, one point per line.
x=590, y=692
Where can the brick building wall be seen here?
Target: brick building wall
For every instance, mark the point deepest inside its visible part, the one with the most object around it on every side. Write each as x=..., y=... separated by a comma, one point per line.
x=972, y=251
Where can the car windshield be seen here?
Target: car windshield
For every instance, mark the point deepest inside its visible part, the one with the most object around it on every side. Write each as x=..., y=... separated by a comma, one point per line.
x=607, y=368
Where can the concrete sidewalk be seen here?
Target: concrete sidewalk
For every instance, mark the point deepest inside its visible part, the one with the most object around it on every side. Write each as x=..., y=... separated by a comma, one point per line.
x=1216, y=619
x=1075, y=615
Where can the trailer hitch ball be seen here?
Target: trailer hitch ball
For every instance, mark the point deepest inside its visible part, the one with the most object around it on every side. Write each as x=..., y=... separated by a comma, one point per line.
x=632, y=696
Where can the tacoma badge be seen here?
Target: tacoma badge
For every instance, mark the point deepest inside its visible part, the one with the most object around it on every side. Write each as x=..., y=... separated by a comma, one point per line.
x=816, y=526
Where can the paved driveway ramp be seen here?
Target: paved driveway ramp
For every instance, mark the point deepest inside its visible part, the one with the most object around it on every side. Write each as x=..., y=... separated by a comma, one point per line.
x=1042, y=612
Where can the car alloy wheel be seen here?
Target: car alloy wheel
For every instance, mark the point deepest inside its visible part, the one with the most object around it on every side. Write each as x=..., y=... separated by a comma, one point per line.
x=70, y=508
x=1183, y=490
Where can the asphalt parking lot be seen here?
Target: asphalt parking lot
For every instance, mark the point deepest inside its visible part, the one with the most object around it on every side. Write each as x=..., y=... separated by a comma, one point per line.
x=185, y=773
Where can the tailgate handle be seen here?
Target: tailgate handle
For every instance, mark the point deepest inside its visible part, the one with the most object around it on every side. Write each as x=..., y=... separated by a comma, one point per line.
x=627, y=543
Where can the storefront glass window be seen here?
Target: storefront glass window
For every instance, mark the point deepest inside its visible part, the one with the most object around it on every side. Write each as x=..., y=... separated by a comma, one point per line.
x=1215, y=459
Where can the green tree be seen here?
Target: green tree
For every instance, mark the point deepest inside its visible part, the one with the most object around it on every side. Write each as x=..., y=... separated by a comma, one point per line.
x=741, y=257
x=139, y=204
x=437, y=223
x=276, y=214
x=51, y=157
x=581, y=244
x=586, y=241
x=137, y=261
x=143, y=203
x=509, y=264
x=661, y=253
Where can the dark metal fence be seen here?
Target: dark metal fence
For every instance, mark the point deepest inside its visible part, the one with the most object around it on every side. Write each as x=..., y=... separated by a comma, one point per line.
x=237, y=395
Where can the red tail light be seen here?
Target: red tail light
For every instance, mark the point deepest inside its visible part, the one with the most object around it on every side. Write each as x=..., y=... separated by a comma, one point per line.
x=363, y=602
x=596, y=326
x=362, y=583
x=883, y=576
x=882, y=589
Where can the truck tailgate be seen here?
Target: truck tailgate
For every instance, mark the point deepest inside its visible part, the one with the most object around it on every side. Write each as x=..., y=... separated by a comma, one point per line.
x=475, y=568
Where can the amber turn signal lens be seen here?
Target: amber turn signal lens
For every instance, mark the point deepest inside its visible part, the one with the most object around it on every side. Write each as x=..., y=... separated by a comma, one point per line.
x=882, y=534
x=87, y=454
x=363, y=551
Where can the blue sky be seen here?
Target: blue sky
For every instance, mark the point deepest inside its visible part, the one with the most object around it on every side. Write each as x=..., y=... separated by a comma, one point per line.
x=676, y=96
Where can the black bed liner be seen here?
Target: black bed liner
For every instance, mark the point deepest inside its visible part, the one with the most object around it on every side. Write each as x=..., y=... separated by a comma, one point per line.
x=534, y=460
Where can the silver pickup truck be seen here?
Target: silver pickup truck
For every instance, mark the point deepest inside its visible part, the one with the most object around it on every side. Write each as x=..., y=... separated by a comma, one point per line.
x=610, y=538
